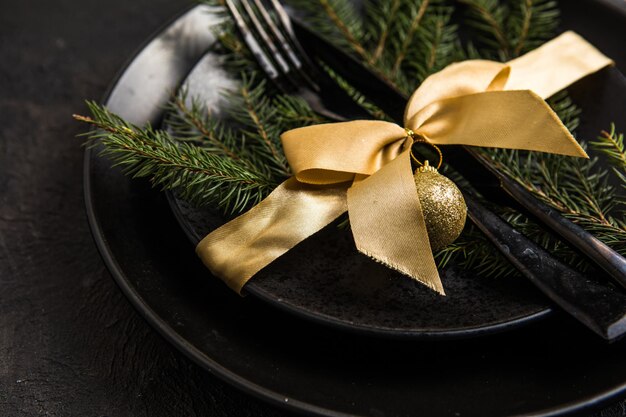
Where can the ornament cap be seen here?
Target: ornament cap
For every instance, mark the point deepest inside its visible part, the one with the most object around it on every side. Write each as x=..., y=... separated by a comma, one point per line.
x=426, y=168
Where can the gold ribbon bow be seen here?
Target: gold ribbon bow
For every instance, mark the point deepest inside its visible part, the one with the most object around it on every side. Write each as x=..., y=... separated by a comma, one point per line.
x=364, y=166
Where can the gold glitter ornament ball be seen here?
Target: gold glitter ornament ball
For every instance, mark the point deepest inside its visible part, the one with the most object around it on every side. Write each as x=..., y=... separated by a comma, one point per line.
x=442, y=204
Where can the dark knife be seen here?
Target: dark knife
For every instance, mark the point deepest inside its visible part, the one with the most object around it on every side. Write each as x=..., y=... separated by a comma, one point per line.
x=471, y=164
x=600, y=307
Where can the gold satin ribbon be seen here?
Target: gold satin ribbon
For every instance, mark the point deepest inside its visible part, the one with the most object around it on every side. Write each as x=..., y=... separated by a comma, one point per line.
x=364, y=166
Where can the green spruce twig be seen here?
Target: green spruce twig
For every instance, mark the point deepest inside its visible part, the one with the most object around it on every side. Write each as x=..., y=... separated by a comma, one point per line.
x=611, y=144
x=512, y=28
x=488, y=18
x=530, y=23
x=407, y=37
x=338, y=20
x=200, y=176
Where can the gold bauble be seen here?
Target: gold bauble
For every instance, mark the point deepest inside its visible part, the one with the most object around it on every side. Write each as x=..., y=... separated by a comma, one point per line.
x=442, y=204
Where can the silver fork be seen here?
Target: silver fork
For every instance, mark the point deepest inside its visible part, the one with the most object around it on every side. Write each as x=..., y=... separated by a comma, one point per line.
x=267, y=32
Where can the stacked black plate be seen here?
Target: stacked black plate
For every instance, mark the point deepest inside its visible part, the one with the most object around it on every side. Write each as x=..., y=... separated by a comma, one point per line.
x=348, y=337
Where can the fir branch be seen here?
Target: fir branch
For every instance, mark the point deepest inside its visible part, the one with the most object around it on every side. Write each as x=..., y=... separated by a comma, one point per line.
x=198, y=175
x=337, y=20
x=565, y=109
x=524, y=25
x=419, y=40
x=331, y=11
x=190, y=122
x=393, y=32
x=579, y=189
x=356, y=95
x=238, y=57
x=417, y=12
x=435, y=48
x=388, y=13
x=611, y=144
x=194, y=124
x=530, y=23
x=256, y=105
x=514, y=27
x=488, y=17
x=472, y=251
x=293, y=112
x=252, y=108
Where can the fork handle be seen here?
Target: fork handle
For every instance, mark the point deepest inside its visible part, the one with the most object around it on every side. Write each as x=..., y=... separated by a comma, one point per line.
x=601, y=254
x=597, y=306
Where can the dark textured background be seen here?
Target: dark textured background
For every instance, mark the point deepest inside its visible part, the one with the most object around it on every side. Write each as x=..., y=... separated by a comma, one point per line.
x=70, y=343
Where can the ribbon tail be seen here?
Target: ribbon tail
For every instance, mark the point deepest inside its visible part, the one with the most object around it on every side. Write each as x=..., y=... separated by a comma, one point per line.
x=291, y=213
x=388, y=225
x=498, y=119
x=555, y=65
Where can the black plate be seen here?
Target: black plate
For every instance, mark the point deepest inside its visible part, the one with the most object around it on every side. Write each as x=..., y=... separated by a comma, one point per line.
x=326, y=279
x=549, y=368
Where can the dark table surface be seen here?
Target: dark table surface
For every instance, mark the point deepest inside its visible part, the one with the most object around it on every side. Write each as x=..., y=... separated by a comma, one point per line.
x=70, y=343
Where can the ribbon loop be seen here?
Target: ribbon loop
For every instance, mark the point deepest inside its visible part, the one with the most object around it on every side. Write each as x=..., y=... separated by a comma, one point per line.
x=333, y=152
x=497, y=119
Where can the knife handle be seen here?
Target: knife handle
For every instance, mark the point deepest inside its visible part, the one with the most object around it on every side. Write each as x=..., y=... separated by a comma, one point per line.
x=597, y=306
x=601, y=254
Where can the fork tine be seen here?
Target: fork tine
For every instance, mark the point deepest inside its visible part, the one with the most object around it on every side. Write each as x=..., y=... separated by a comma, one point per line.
x=288, y=29
x=270, y=46
x=267, y=41
x=276, y=45
x=266, y=63
x=283, y=42
x=325, y=98
x=282, y=31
